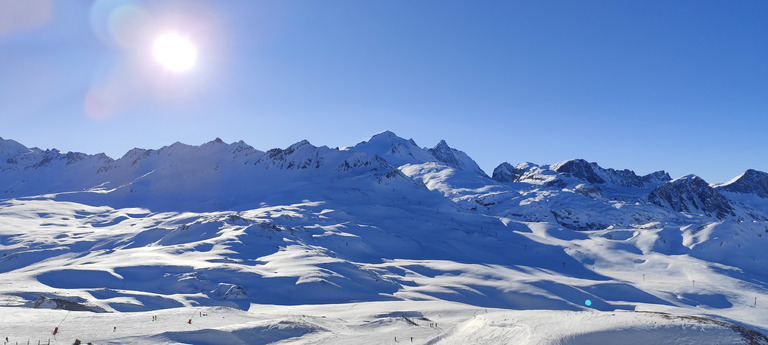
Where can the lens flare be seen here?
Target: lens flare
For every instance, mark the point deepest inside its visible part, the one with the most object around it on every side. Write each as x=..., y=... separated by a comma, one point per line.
x=23, y=15
x=175, y=52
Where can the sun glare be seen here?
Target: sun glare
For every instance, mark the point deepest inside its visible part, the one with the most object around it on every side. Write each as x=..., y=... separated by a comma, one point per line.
x=175, y=52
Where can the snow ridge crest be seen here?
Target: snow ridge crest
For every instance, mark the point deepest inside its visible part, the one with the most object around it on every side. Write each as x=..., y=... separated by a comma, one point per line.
x=398, y=152
x=750, y=182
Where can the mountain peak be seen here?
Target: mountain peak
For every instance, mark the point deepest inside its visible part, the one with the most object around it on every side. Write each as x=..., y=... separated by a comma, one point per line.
x=595, y=174
x=581, y=169
x=505, y=172
x=443, y=152
x=298, y=145
x=690, y=177
x=750, y=182
x=388, y=137
x=524, y=172
x=394, y=149
x=214, y=143
x=10, y=148
x=398, y=152
x=454, y=158
x=659, y=176
x=385, y=134
x=691, y=193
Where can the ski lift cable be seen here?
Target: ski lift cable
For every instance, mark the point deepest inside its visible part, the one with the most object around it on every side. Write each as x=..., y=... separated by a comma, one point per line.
x=62, y=320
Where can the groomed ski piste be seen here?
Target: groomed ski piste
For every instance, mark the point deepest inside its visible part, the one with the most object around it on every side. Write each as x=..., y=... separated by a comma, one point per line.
x=382, y=242
x=400, y=322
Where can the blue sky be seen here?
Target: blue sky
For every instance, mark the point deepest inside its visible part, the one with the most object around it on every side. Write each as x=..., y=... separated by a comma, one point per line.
x=643, y=85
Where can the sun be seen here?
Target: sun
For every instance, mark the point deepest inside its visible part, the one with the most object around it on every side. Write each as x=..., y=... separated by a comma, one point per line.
x=175, y=52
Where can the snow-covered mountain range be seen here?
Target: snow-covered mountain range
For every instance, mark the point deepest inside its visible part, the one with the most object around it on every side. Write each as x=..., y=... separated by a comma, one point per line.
x=384, y=220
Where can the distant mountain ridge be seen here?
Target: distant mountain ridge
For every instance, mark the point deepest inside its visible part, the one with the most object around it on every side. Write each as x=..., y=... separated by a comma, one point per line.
x=579, y=169
x=177, y=167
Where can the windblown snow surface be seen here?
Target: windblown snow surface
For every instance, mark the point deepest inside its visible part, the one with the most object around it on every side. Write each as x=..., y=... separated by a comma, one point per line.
x=383, y=242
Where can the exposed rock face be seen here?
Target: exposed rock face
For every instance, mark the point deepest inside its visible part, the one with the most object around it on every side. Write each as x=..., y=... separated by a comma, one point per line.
x=580, y=169
x=524, y=172
x=691, y=194
x=577, y=168
x=750, y=182
x=444, y=153
x=59, y=303
x=454, y=158
x=505, y=172
x=301, y=155
x=655, y=177
x=593, y=173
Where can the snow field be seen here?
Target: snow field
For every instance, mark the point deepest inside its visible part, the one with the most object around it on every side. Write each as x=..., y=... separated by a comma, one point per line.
x=375, y=243
x=399, y=322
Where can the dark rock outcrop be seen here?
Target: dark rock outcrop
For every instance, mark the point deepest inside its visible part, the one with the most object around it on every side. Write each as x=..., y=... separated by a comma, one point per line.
x=505, y=172
x=750, y=182
x=691, y=194
x=593, y=173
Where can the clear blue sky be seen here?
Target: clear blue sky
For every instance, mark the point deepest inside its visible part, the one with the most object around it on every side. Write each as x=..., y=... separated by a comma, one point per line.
x=644, y=85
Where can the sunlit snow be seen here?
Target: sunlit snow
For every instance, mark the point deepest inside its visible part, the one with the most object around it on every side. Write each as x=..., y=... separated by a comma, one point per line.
x=382, y=242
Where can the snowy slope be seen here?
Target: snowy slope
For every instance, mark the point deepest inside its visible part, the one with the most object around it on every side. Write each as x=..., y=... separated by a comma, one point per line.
x=424, y=322
x=226, y=225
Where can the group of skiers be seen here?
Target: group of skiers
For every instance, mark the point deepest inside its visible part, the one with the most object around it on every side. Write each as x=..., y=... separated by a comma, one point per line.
x=114, y=329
